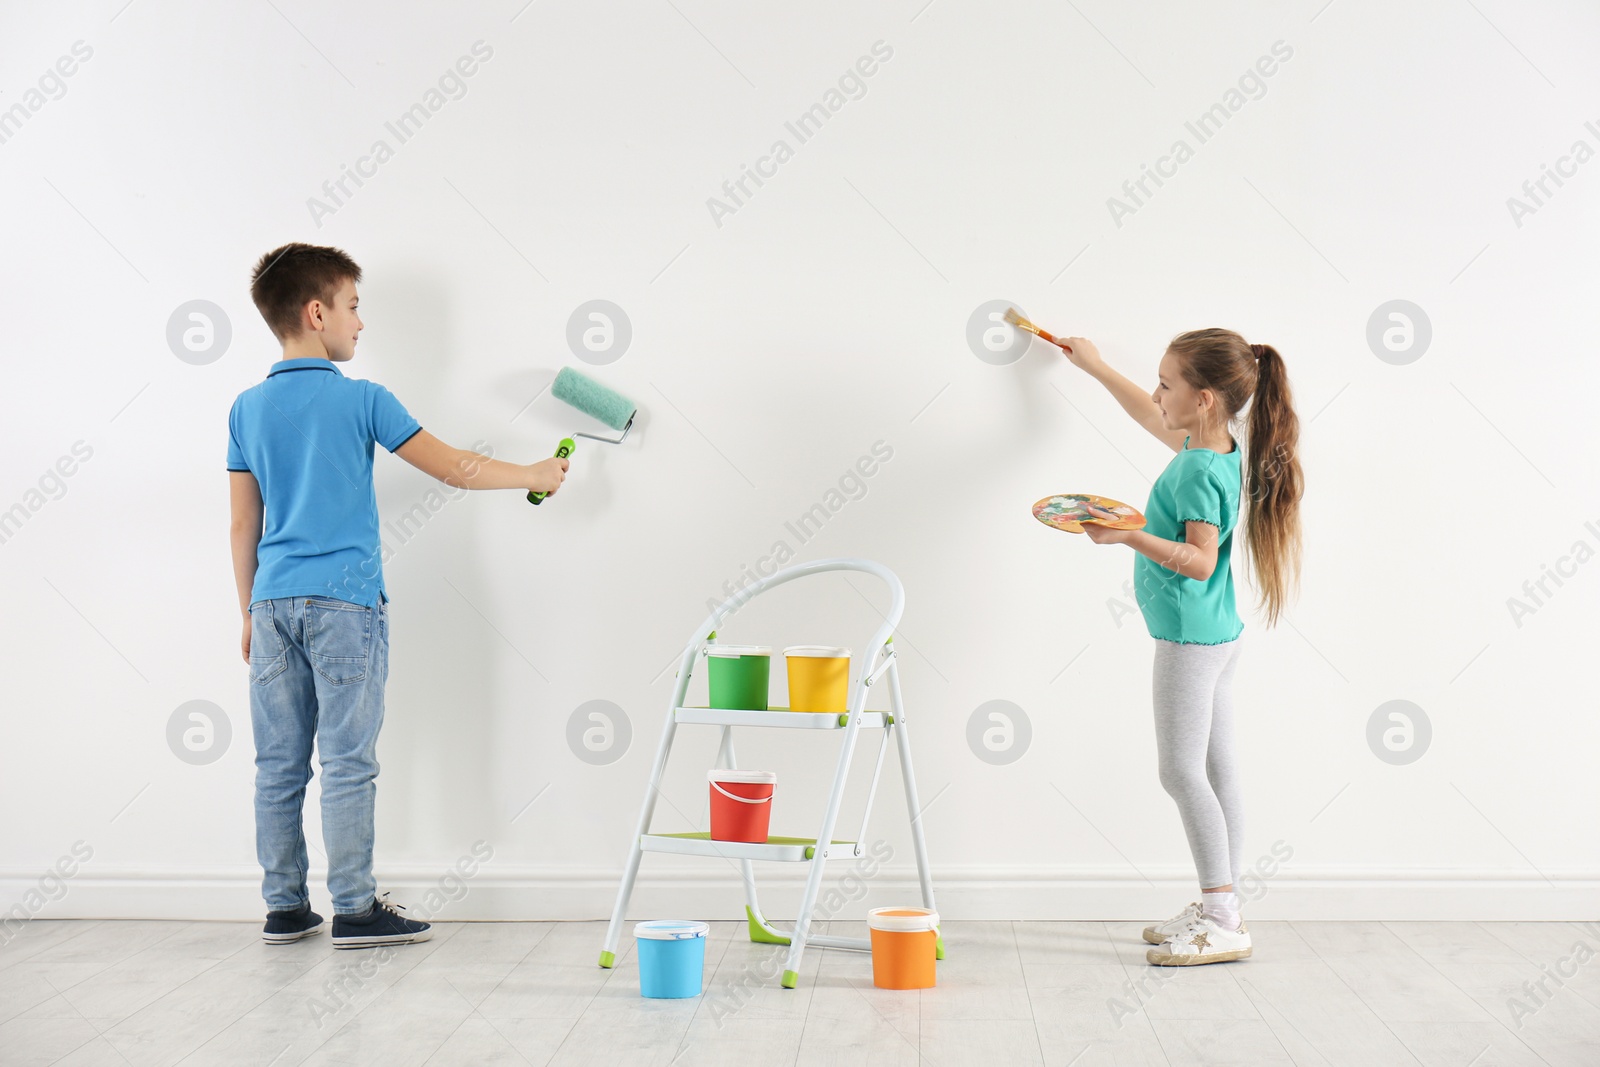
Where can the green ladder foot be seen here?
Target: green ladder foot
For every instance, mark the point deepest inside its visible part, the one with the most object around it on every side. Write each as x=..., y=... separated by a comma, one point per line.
x=938, y=948
x=608, y=959
x=758, y=933
x=790, y=978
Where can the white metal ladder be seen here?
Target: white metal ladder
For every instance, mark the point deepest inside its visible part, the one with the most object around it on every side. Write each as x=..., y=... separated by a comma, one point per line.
x=882, y=664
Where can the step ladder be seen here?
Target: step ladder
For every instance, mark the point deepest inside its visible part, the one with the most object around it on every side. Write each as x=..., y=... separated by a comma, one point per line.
x=881, y=666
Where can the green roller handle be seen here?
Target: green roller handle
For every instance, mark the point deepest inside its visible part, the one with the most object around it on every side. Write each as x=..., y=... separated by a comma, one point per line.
x=563, y=450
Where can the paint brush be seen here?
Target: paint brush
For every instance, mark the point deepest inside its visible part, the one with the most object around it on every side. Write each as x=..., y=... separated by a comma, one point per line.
x=1023, y=324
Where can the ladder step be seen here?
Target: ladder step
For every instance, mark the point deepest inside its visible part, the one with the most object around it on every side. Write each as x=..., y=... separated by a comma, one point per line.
x=781, y=717
x=854, y=944
x=783, y=849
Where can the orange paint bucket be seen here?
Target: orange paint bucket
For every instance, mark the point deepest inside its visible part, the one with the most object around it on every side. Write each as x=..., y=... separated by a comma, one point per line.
x=905, y=944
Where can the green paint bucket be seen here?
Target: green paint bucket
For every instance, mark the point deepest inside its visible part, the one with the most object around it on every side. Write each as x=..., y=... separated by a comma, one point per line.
x=738, y=676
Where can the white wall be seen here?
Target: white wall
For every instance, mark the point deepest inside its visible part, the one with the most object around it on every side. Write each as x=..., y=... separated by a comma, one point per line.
x=770, y=352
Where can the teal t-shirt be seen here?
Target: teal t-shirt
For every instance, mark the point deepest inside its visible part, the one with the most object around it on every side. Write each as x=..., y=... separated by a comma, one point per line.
x=1198, y=485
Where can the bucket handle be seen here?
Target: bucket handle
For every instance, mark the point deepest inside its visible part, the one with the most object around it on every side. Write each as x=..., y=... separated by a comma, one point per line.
x=742, y=800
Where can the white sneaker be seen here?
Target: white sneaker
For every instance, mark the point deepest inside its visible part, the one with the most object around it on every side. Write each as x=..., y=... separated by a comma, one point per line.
x=1158, y=933
x=1202, y=941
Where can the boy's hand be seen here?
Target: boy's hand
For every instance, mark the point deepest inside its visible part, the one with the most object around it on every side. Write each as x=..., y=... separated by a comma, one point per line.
x=244, y=642
x=547, y=475
x=1080, y=351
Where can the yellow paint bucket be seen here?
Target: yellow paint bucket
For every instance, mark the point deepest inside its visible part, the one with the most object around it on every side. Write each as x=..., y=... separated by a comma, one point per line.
x=819, y=678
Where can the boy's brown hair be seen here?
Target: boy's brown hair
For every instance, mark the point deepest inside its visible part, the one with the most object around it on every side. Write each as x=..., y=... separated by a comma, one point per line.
x=286, y=278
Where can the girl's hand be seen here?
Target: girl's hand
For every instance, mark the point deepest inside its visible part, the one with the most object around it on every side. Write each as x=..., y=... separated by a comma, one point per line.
x=1105, y=535
x=1080, y=351
x=244, y=641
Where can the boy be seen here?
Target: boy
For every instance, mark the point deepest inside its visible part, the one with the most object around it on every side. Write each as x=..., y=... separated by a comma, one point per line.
x=307, y=560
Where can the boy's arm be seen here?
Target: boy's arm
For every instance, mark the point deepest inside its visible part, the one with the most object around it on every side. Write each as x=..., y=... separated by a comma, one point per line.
x=465, y=469
x=244, y=533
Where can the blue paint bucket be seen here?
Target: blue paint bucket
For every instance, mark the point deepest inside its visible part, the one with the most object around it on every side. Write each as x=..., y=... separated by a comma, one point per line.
x=672, y=958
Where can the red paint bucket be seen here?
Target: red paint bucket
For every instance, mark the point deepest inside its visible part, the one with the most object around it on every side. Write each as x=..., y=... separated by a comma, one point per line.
x=741, y=804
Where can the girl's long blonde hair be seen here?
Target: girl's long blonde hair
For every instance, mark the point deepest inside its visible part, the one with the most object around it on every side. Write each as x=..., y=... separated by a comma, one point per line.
x=1237, y=373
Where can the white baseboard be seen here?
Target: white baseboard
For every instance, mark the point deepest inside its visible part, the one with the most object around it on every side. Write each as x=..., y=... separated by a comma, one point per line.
x=525, y=893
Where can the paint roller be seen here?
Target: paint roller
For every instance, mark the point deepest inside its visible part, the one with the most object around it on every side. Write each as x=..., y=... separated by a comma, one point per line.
x=593, y=399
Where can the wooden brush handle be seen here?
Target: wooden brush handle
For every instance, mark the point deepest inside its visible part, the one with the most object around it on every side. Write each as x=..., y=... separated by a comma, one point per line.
x=1046, y=335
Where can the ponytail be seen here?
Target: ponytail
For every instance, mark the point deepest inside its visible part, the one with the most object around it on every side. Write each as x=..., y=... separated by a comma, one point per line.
x=1275, y=484
x=1238, y=374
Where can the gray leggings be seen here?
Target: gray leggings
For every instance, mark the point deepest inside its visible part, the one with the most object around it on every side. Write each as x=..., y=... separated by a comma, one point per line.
x=1193, y=691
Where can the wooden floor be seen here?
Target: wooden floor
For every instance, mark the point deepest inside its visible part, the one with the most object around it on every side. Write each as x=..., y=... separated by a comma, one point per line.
x=1367, y=994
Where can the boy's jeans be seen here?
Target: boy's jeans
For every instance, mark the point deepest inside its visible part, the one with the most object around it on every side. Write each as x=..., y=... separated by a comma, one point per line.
x=317, y=670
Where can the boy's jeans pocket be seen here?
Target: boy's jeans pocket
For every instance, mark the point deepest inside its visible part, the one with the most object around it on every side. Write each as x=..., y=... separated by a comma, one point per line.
x=268, y=654
x=338, y=639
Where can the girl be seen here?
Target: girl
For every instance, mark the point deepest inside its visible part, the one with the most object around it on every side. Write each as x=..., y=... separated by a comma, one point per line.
x=1183, y=582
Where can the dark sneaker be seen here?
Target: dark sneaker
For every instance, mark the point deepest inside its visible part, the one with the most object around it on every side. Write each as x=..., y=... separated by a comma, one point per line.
x=382, y=924
x=286, y=926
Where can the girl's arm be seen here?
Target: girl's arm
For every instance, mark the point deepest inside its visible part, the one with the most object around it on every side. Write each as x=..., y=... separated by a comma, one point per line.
x=1195, y=557
x=1082, y=353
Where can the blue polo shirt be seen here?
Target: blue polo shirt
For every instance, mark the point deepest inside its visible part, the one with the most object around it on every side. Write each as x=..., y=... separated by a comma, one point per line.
x=306, y=433
x=1199, y=485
